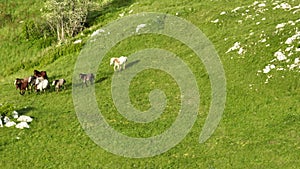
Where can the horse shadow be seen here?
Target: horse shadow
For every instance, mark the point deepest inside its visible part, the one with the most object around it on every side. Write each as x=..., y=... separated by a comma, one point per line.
x=81, y=84
x=132, y=63
x=101, y=79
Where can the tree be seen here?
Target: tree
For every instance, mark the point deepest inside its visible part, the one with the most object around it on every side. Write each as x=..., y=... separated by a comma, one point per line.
x=66, y=17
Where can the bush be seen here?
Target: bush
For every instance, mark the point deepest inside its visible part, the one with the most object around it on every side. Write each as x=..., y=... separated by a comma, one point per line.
x=44, y=42
x=6, y=110
x=33, y=30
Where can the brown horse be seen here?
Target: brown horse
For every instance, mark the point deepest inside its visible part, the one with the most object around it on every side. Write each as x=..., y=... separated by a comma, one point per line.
x=21, y=84
x=40, y=74
x=87, y=77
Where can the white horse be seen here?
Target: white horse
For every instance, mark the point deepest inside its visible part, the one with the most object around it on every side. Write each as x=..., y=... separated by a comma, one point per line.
x=118, y=62
x=41, y=85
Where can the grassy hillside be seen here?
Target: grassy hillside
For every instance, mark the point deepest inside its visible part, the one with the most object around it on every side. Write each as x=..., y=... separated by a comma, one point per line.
x=260, y=124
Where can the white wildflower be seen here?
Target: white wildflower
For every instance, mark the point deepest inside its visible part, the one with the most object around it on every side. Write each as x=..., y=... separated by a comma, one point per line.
x=272, y=66
x=241, y=51
x=140, y=26
x=267, y=69
x=290, y=40
x=122, y=14
x=77, y=41
x=290, y=54
x=223, y=13
x=280, y=56
x=292, y=23
x=298, y=10
x=234, y=47
x=255, y=3
x=215, y=21
x=281, y=25
x=236, y=9
x=292, y=66
x=285, y=6
x=289, y=48
x=263, y=40
x=262, y=5
x=97, y=32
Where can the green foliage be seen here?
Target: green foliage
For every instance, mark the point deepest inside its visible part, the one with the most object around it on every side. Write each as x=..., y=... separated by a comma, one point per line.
x=66, y=17
x=45, y=42
x=34, y=30
x=6, y=109
x=54, y=53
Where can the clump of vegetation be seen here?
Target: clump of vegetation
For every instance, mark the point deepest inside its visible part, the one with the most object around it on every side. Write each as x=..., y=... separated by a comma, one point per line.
x=5, y=110
x=66, y=18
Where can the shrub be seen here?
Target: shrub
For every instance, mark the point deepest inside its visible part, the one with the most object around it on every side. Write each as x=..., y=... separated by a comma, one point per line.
x=33, y=30
x=6, y=109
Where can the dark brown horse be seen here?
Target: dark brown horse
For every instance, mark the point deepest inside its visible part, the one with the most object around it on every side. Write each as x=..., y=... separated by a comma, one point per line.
x=21, y=84
x=40, y=74
x=87, y=77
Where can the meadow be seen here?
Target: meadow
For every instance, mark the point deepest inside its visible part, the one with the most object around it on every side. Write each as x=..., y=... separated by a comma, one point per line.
x=261, y=121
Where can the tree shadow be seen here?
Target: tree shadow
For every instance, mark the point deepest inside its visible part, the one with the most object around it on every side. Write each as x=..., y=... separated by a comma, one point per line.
x=113, y=6
x=24, y=110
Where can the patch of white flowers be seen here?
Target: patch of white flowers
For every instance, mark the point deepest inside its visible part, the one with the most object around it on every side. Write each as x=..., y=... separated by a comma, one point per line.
x=287, y=54
x=236, y=47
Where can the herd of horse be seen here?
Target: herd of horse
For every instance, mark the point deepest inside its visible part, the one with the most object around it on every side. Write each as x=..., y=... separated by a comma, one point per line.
x=39, y=82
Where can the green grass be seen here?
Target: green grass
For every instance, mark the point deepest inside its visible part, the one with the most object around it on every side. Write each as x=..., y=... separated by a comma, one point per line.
x=259, y=128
